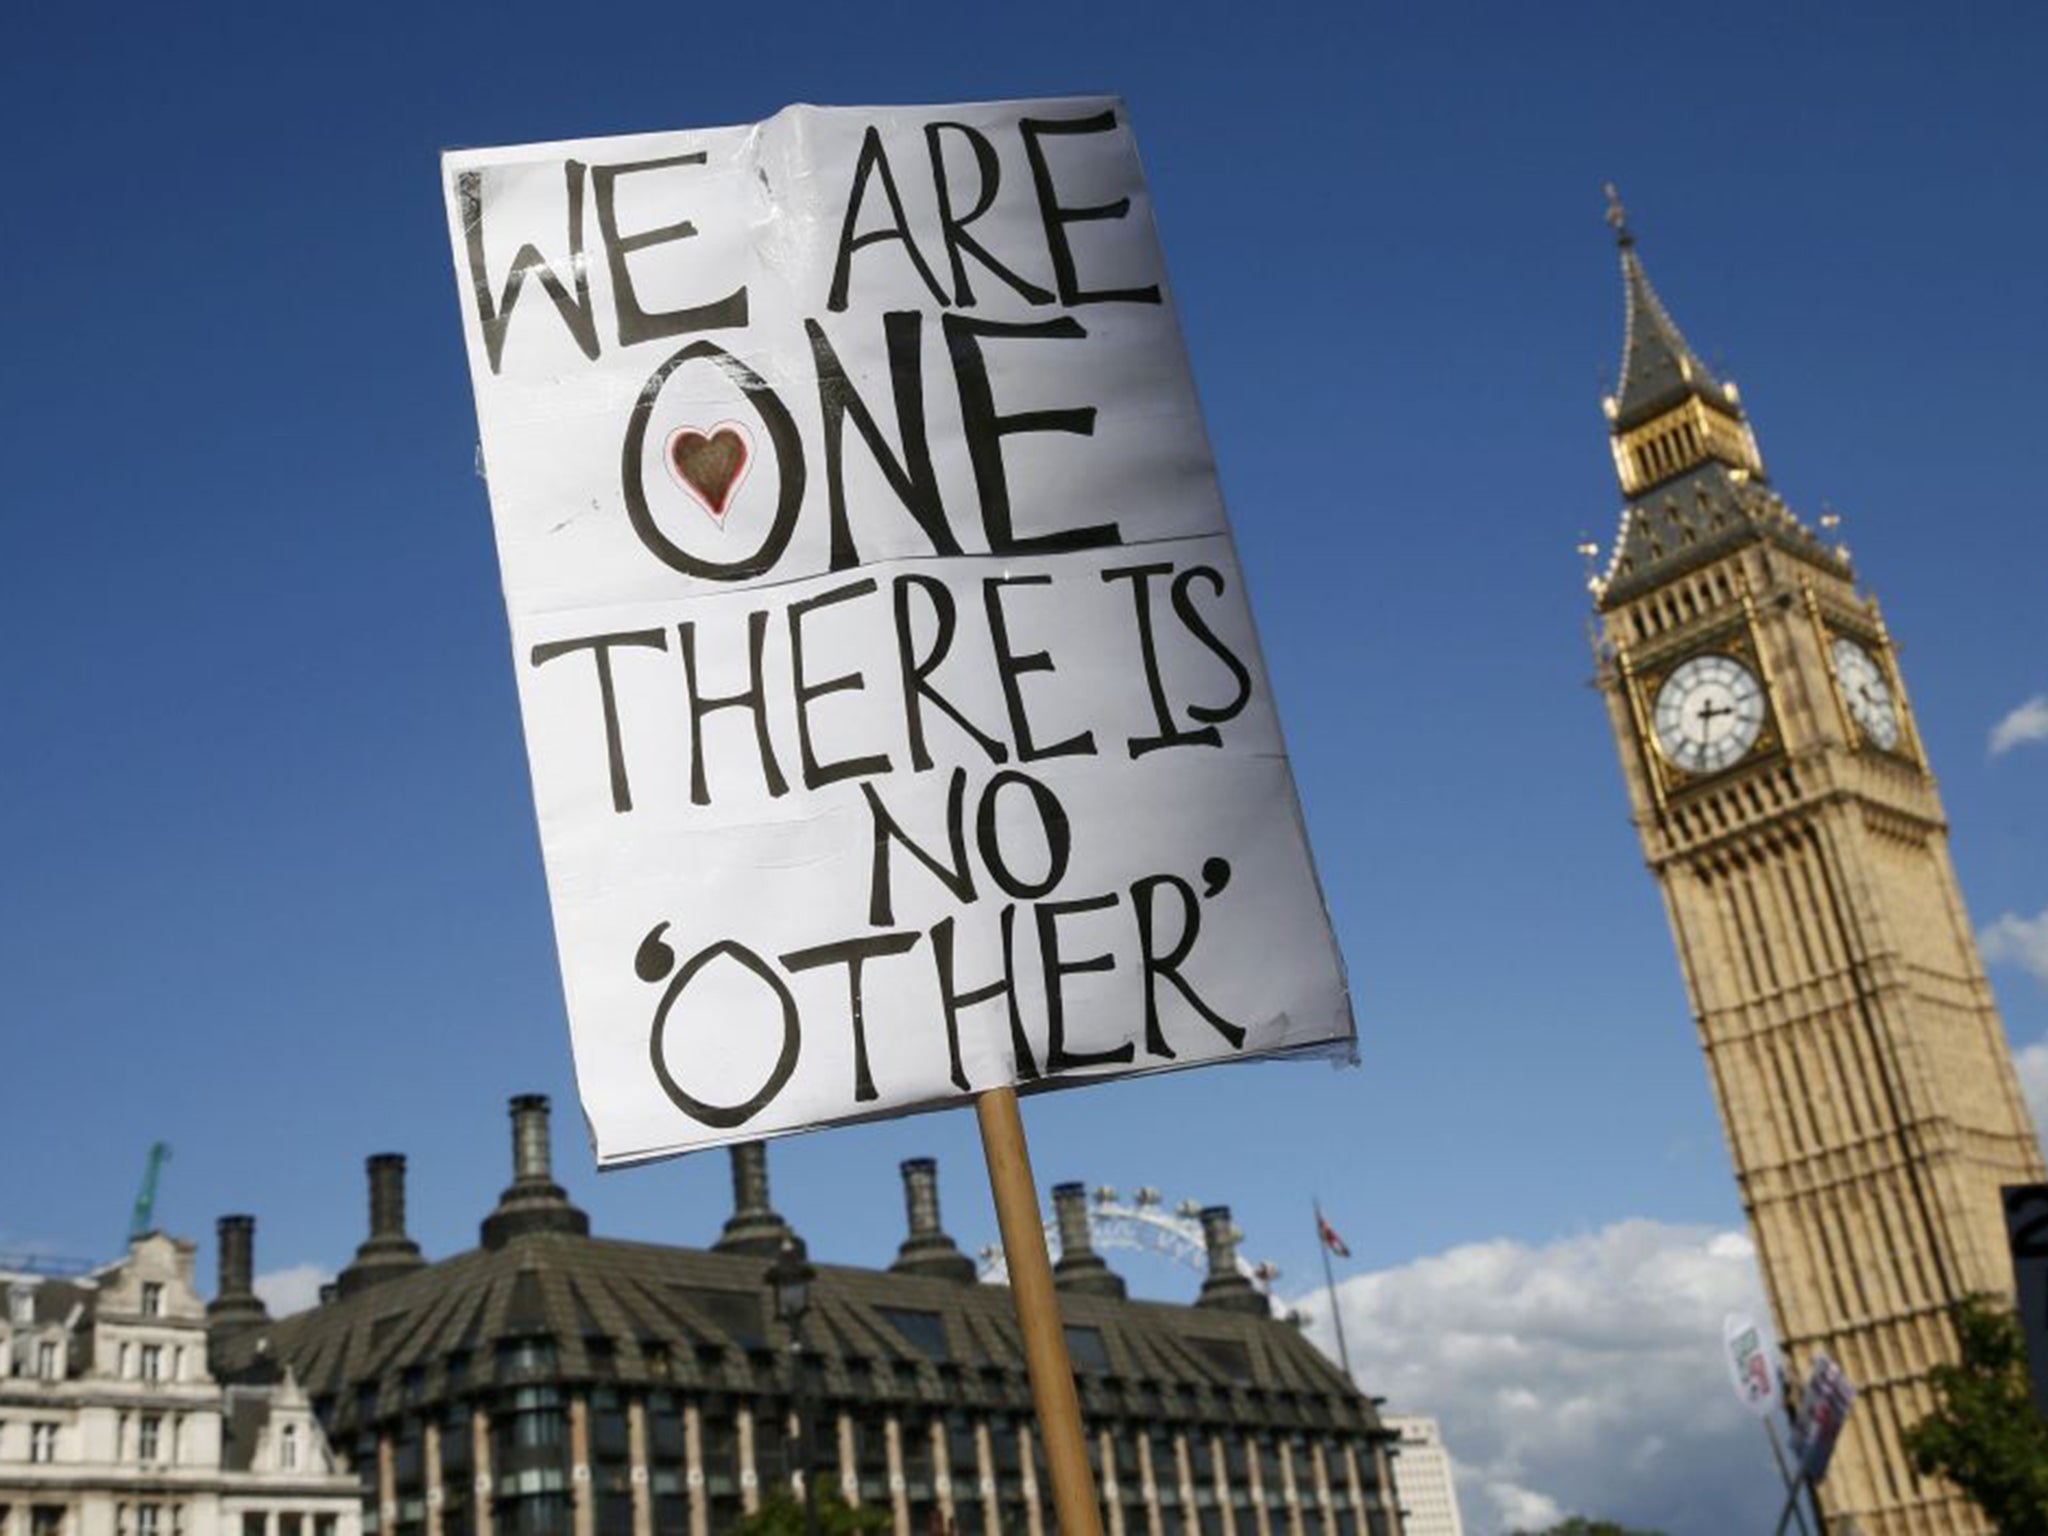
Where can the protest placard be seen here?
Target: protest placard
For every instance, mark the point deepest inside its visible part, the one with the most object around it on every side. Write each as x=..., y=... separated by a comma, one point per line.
x=1752, y=1365
x=896, y=721
x=1823, y=1410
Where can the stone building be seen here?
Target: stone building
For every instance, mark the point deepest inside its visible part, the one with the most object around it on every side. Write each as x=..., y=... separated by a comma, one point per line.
x=549, y=1381
x=1792, y=820
x=113, y=1422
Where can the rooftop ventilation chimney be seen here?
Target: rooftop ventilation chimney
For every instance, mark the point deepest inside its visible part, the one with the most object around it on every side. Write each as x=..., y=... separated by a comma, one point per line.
x=237, y=1306
x=1226, y=1287
x=928, y=1250
x=1080, y=1267
x=387, y=1252
x=533, y=1201
x=754, y=1226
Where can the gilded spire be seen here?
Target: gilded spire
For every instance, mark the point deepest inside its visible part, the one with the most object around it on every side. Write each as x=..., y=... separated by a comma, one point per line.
x=1686, y=458
x=1659, y=369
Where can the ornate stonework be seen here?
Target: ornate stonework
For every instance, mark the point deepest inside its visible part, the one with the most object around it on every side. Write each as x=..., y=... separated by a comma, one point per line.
x=1795, y=830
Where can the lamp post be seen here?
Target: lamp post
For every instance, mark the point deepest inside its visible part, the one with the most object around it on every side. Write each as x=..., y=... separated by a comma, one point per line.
x=790, y=1277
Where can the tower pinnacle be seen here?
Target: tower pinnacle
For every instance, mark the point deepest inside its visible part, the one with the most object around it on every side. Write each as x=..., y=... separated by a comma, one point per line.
x=1660, y=372
x=1683, y=450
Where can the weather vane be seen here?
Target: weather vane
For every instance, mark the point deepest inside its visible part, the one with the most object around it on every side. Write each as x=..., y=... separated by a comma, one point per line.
x=1617, y=215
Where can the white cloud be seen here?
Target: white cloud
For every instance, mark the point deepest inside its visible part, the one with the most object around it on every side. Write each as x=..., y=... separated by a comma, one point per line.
x=2021, y=941
x=2032, y=1066
x=1521, y=1510
x=1581, y=1376
x=286, y=1291
x=2027, y=723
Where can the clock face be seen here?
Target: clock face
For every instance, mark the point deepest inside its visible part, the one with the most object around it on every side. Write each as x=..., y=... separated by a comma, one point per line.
x=1709, y=712
x=1866, y=692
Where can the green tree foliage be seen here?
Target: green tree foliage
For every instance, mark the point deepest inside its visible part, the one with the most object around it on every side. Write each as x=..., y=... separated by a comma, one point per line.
x=1986, y=1436
x=782, y=1515
x=1579, y=1525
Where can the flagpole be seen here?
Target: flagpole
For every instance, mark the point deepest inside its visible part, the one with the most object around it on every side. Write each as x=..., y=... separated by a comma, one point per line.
x=1330, y=1285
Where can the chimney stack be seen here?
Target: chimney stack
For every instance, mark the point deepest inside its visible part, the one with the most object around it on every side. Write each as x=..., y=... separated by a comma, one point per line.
x=387, y=1194
x=387, y=1252
x=1080, y=1267
x=533, y=1156
x=533, y=1201
x=237, y=1306
x=754, y=1226
x=1226, y=1287
x=928, y=1250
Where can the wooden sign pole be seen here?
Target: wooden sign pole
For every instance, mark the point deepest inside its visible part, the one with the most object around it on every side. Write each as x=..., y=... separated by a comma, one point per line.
x=1038, y=1312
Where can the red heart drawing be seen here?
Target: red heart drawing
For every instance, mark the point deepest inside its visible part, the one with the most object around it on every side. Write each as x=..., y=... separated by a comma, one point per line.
x=711, y=466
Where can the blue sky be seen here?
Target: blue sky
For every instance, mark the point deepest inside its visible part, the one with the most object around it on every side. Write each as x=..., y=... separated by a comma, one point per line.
x=269, y=884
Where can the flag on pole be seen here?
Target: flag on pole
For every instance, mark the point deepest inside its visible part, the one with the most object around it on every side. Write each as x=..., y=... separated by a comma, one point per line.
x=1329, y=1236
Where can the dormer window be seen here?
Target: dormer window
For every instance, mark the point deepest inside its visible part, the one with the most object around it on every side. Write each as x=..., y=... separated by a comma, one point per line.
x=21, y=1305
x=152, y=1299
x=288, y=1447
x=46, y=1360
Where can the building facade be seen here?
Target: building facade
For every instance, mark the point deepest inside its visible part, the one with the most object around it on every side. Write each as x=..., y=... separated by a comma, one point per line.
x=1423, y=1480
x=1791, y=818
x=553, y=1383
x=113, y=1422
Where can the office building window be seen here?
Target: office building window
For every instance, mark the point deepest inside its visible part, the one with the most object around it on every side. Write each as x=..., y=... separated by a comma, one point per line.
x=46, y=1520
x=42, y=1442
x=149, y=1520
x=253, y=1522
x=149, y=1440
x=152, y=1362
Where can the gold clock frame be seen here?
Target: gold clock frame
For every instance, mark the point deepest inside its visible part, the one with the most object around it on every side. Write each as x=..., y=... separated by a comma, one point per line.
x=1833, y=620
x=1735, y=638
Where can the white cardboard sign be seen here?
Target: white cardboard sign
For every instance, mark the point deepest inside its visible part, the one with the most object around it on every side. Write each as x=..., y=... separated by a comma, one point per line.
x=897, y=724
x=1752, y=1356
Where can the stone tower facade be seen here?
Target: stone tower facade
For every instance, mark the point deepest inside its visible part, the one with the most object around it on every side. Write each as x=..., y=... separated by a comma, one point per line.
x=1794, y=827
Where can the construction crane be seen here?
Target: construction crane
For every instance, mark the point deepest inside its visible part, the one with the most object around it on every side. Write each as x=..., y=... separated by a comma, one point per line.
x=144, y=1220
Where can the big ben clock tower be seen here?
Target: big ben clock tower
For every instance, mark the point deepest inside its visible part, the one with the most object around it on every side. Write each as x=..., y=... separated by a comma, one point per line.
x=1794, y=827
